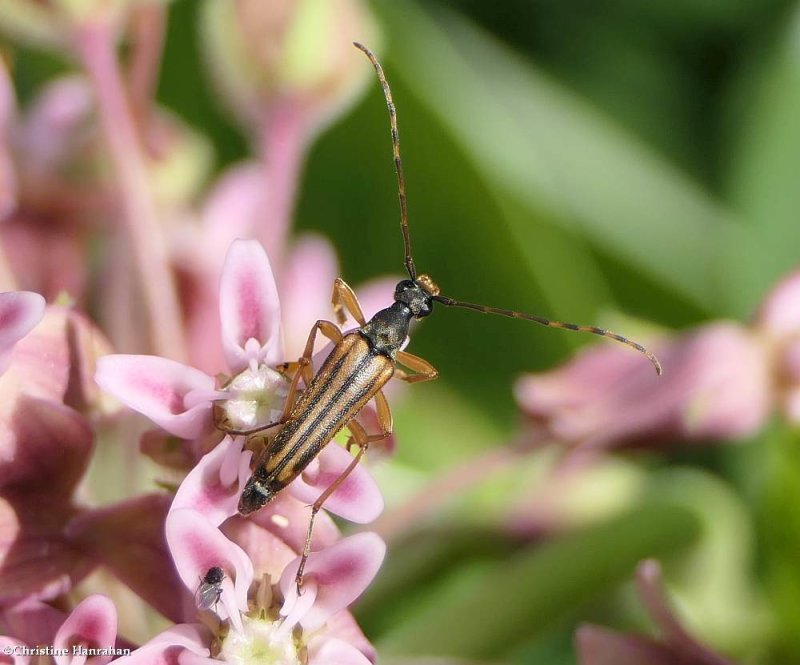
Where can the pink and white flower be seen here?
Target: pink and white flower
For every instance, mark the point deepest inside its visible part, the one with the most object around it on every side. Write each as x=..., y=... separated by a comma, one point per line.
x=81, y=637
x=181, y=399
x=261, y=618
x=721, y=382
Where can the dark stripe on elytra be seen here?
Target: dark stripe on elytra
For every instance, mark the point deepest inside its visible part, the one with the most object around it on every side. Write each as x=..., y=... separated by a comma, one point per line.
x=324, y=414
x=277, y=447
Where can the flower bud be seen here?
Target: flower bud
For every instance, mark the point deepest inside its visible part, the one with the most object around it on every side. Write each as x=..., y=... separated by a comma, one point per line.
x=264, y=52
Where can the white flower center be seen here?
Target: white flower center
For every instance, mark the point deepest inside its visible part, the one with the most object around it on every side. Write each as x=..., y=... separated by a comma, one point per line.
x=256, y=397
x=262, y=642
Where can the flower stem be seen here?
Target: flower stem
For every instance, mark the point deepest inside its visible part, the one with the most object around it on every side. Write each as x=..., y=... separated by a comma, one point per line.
x=95, y=44
x=283, y=145
x=148, y=29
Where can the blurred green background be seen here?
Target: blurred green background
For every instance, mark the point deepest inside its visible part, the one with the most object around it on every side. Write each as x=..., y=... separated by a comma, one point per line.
x=584, y=160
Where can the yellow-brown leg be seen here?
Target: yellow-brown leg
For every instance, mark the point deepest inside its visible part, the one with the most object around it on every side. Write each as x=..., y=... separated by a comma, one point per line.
x=359, y=436
x=345, y=298
x=303, y=368
x=423, y=370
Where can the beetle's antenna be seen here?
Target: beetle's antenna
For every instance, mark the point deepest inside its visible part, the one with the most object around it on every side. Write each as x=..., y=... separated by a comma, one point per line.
x=449, y=302
x=398, y=164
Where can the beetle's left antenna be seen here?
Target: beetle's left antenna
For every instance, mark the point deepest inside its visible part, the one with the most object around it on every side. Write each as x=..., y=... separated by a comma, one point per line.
x=398, y=164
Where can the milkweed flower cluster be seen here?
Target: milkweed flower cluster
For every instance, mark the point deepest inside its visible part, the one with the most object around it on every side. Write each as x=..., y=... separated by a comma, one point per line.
x=98, y=202
x=725, y=380
x=264, y=617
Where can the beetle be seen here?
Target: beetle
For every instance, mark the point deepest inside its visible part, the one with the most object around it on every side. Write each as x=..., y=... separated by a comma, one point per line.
x=358, y=367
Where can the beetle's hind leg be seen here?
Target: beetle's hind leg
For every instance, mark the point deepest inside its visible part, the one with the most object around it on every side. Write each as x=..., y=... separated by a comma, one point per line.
x=302, y=368
x=359, y=437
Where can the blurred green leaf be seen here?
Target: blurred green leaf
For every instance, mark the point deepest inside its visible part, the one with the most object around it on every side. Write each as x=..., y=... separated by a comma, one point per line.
x=780, y=530
x=763, y=180
x=542, y=146
x=715, y=584
x=486, y=610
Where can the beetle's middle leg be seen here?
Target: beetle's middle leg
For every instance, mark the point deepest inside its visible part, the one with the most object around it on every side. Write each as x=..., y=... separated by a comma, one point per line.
x=423, y=370
x=302, y=368
x=358, y=436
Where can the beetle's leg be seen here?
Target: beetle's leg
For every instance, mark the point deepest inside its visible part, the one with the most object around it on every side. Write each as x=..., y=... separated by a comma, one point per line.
x=345, y=298
x=423, y=370
x=360, y=437
x=302, y=368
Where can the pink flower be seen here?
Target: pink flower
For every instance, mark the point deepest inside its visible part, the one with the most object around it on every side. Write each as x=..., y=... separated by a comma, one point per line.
x=49, y=540
x=45, y=444
x=716, y=384
x=59, y=189
x=304, y=274
x=674, y=646
x=73, y=640
x=263, y=619
x=20, y=311
x=721, y=381
x=181, y=399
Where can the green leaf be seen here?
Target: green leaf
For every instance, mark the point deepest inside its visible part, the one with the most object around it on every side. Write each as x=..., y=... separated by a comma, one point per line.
x=486, y=610
x=763, y=178
x=545, y=148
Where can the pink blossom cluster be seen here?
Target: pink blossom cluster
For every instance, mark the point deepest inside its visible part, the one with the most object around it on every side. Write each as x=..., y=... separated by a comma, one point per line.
x=162, y=547
x=99, y=191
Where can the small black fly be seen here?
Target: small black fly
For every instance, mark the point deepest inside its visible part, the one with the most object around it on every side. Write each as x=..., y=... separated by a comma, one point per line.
x=210, y=588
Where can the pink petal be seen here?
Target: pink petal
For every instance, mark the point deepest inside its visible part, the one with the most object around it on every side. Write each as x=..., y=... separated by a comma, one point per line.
x=93, y=624
x=340, y=572
x=305, y=287
x=779, y=314
x=56, y=360
x=717, y=386
x=33, y=622
x=269, y=553
x=128, y=538
x=193, y=636
x=38, y=561
x=55, y=124
x=45, y=442
x=344, y=627
x=196, y=546
x=184, y=644
x=205, y=489
x=287, y=518
x=326, y=650
x=234, y=205
x=167, y=392
x=230, y=212
x=357, y=499
x=249, y=306
x=9, y=646
x=20, y=311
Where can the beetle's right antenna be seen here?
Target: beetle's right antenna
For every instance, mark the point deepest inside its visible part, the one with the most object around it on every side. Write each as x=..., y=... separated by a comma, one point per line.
x=398, y=164
x=550, y=323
